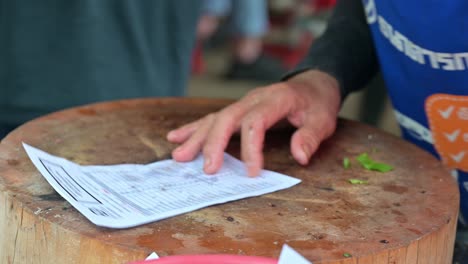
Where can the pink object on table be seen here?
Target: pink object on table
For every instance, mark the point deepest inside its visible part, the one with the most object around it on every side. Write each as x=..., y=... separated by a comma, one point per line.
x=210, y=259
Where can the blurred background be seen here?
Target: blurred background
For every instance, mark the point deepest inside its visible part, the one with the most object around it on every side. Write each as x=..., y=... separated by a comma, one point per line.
x=243, y=44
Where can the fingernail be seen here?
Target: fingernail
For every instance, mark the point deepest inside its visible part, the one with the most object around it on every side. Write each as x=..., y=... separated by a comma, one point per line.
x=305, y=154
x=252, y=174
x=251, y=170
x=178, y=149
x=170, y=135
x=207, y=163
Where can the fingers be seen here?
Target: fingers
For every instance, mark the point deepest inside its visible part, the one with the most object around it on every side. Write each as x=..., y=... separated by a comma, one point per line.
x=226, y=123
x=194, y=140
x=304, y=143
x=252, y=137
x=254, y=127
x=210, y=134
x=181, y=134
x=253, y=115
x=306, y=140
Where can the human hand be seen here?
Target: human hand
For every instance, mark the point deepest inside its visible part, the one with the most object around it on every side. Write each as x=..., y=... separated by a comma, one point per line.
x=310, y=101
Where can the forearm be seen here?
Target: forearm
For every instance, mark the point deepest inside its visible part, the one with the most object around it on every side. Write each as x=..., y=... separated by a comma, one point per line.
x=345, y=51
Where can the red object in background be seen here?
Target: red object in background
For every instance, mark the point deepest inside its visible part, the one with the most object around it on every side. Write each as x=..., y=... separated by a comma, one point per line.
x=210, y=259
x=321, y=4
x=198, y=64
x=290, y=55
x=324, y=4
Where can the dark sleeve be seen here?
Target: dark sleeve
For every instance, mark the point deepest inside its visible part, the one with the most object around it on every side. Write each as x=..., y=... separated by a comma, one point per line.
x=346, y=49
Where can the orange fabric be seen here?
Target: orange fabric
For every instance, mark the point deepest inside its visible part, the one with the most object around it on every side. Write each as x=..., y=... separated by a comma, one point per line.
x=448, y=121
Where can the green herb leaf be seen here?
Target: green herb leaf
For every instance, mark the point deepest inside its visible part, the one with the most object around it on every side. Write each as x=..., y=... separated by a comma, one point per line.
x=357, y=181
x=347, y=255
x=346, y=163
x=370, y=164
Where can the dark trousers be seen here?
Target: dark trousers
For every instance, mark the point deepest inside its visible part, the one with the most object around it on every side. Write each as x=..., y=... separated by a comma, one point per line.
x=5, y=129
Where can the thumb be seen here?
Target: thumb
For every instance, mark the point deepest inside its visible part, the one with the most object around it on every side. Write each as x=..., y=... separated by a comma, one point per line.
x=307, y=138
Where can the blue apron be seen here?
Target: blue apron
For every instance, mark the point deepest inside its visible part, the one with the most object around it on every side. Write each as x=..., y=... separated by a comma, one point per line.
x=422, y=47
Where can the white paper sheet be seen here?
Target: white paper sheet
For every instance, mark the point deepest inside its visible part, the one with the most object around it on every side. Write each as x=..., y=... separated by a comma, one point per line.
x=289, y=256
x=152, y=256
x=127, y=195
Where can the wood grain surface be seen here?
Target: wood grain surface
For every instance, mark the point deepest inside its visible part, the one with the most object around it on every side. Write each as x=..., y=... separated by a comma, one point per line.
x=408, y=215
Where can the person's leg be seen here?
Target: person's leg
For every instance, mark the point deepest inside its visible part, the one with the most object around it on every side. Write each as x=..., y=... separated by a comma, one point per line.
x=5, y=129
x=249, y=24
x=216, y=7
x=249, y=21
x=212, y=11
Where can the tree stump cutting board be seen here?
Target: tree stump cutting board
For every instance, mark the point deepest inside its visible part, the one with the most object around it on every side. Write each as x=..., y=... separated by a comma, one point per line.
x=408, y=215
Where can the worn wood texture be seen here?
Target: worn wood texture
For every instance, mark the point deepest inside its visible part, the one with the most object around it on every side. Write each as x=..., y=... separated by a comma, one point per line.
x=406, y=216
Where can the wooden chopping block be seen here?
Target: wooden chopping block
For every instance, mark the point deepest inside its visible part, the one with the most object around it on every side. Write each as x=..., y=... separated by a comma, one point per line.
x=408, y=215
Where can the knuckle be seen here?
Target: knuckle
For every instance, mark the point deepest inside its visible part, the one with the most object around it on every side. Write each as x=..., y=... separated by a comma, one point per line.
x=210, y=117
x=226, y=118
x=255, y=120
x=309, y=136
x=312, y=138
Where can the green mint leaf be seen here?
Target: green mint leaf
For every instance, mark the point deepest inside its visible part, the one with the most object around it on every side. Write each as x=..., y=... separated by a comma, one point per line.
x=346, y=163
x=370, y=164
x=357, y=181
